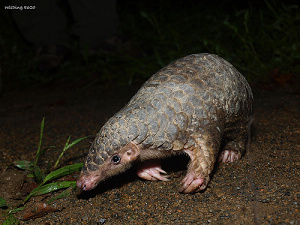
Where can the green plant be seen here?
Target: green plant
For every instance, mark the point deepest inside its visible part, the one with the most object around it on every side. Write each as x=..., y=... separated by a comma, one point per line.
x=44, y=178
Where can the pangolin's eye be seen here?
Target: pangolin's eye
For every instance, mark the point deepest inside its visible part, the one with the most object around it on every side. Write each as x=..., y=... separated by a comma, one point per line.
x=116, y=159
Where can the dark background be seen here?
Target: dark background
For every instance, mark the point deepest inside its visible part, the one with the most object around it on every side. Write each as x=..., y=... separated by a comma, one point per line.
x=261, y=38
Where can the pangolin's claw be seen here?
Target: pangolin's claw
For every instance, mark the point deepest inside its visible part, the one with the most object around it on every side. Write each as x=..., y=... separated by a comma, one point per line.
x=229, y=156
x=152, y=171
x=152, y=174
x=192, y=183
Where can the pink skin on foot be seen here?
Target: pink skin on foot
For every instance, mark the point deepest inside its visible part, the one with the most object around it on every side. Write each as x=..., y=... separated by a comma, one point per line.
x=229, y=156
x=192, y=184
x=151, y=170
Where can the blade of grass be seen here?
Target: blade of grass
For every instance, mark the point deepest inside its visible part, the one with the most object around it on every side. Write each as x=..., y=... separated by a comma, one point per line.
x=16, y=209
x=38, y=153
x=61, y=154
x=76, y=141
x=67, y=146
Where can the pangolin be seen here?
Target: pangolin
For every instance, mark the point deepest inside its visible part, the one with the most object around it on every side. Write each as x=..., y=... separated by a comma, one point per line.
x=190, y=106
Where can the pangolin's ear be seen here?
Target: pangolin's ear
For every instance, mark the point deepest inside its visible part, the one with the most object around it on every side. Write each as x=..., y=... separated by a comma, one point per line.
x=130, y=152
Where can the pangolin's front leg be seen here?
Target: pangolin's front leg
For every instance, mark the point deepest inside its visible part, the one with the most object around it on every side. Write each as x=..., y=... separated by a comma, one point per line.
x=202, y=159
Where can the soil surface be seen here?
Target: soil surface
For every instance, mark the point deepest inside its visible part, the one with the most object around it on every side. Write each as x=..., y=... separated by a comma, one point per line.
x=262, y=188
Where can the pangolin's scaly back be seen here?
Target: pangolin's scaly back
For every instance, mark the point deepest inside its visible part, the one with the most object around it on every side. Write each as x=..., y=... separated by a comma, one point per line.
x=181, y=99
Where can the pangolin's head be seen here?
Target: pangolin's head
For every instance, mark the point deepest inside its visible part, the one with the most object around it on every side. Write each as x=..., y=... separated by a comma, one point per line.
x=111, y=153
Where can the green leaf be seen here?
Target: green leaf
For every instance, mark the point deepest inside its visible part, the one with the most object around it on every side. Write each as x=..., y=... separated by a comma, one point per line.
x=65, y=193
x=47, y=188
x=11, y=220
x=24, y=165
x=38, y=174
x=3, y=202
x=63, y=172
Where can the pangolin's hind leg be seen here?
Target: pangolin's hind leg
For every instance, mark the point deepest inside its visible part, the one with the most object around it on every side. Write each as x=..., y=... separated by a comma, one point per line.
x=238, y=145
x=232, y=151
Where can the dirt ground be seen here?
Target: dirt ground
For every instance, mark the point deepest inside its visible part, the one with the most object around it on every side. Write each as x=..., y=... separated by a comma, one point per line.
x=262, y=188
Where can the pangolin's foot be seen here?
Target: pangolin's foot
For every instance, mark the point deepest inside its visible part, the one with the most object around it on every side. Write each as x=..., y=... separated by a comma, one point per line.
x=151, y=170
x=192, y=183
x=229, y=156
